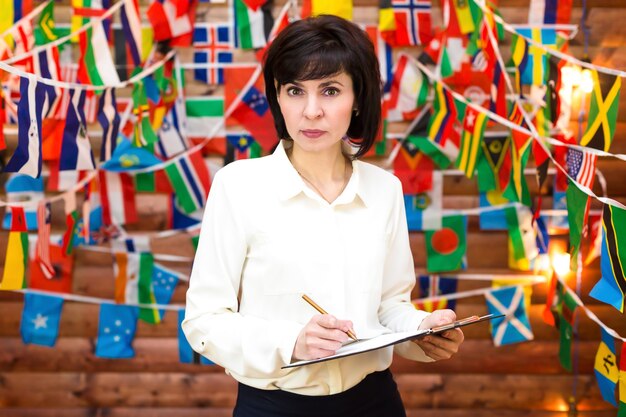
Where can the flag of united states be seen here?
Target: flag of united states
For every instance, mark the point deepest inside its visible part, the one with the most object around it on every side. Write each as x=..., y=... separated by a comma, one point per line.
x=581, y=166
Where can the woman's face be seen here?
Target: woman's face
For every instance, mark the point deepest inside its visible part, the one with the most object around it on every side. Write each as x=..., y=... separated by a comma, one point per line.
x=317, y=113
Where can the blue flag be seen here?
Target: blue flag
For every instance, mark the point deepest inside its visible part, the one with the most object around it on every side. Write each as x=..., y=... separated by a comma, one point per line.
x=40, y=319
x=116, y=331
x=27, y=156
x=109, y=119
x=432, y=286
x=128, y=157
x=606, y=369
x=76, y=151
x=515, y=327
x=492, y=219
x=163, y=284
x=185, y=352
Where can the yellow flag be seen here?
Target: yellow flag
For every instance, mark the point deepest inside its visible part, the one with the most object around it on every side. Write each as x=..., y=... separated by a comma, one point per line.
x=15, y=262
x=341, y=8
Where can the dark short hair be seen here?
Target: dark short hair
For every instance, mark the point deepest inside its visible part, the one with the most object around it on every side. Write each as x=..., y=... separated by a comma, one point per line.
x=320, y=47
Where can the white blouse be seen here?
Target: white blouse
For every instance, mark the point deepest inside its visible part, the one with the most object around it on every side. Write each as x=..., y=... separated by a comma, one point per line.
x=266, y=239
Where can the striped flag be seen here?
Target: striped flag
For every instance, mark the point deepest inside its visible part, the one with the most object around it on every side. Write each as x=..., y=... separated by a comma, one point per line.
x=96, y=65
x=212, y=45
x=473, y=130
x=131, y=27
x=517, y=188
x=13, y=277
x=190, y=179
x=203, y=114
x=441, y=148
x=76, y=151
x=317, y=7
x=143, y=132
x=252, y=27
x=84, y=10
x=46, y=64
x=117, y=196
x=14, y=10
x=27, y=156
x=612, y=286
x=621, y=411
x=578, y=203
x=384, y=53
x=44, y=217
x=522, y=238
x=550, y=12
x=133, y=282
x=423, y=210
x=110, y=121
x=581, y=166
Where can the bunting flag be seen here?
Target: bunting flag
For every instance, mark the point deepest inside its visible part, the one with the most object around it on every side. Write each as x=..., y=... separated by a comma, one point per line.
x=44, y=31
x=131, y=27
x=40, y=319
x=172, y=134
x=13, y=277
x=461, y=15
x=117, y=194
x=164, y=283
x=190, y=179
x=517, y=189
x=441, y=148
x=605, y=367
x=409, y=90
x=84, y=10
x=621, y=412
x=492, y=219
x=436, y=286
x=423, y=210
x=515, y=326
x=445, y=248
x=536, y=68
x=411, y=23
x=559, y=202
x=565, y=310
x=143, y=133
x=550, y=12
x=212, y=45
x=3, y=120
x=173, y=20
x=133, y=282
x=27, y=157
x=177, y=219
x=62, y=267
x=46, y=64
x=96, y=66
x=473, y=130
x=254, y=115
x=554, y=81
x=76, y=151
x=14, y=10
x=522, y=239
x=24, y=43
x=519, y=58
x=109, y=119
x=602, y=111
x=24, y=189
x=44, y=219
x=241, y=146
x=252, y=27
x=612, y=286
x=414, y=168
x=578, y=204
x=497, y=94
x=185, y=353
x=595, y=237
x=386, y=18
x=116, y=330
x=494, y=168
x=71, y=220
x=203, y=115
x=126, y=157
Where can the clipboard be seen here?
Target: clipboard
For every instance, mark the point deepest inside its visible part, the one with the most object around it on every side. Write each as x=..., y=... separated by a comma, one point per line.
x=389, y=339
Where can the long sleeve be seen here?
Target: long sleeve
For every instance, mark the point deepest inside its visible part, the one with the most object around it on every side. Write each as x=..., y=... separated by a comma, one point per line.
x=396, y=311
x=245, y=345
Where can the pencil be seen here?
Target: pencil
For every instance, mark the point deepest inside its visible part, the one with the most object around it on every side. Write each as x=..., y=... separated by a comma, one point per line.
x=322, y=311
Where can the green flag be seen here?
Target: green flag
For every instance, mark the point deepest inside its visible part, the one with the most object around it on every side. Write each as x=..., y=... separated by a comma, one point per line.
x=45, y=31
x=577, y=208
x=446, y=247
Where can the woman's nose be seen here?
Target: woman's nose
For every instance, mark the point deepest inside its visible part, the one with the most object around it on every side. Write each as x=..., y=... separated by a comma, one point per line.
x=313, y=108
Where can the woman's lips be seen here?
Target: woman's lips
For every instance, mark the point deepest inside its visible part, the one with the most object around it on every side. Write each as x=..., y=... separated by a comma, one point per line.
x=312, y=133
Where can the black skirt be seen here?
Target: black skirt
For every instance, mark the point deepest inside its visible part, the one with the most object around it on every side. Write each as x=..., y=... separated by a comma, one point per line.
x=376, y=396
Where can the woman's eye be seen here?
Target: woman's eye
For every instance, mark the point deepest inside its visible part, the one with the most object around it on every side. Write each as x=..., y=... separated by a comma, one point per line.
x=294, y=91
x=331, y=92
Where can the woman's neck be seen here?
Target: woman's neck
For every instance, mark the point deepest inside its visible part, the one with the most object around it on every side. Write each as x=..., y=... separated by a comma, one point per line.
x=320, y=167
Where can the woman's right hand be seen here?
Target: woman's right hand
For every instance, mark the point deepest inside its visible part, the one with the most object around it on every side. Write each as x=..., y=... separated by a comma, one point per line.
x=321, y=337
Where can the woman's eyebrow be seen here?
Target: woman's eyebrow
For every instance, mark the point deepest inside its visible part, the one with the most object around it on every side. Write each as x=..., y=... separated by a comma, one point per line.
x=322, y=85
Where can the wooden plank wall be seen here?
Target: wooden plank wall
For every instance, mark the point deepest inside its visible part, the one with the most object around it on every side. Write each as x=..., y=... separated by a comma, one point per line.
x=511, y=381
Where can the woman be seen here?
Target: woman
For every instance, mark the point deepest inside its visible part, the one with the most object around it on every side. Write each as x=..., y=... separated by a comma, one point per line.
x=310, y=219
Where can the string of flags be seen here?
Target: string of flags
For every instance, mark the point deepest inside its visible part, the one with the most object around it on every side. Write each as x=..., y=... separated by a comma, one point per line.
x=160, y=142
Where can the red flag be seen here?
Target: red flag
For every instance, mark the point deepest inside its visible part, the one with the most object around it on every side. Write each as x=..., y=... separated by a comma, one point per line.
x=44, y=215
x=173, y=20
x=117, y=196
x=61, y=280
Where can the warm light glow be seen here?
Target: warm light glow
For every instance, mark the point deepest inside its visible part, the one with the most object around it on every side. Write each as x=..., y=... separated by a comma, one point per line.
x=586, y=82
x=560, y=263
x=571, y=75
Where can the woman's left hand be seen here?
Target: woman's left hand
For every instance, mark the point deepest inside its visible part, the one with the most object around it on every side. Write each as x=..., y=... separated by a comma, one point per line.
x=444, y=345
